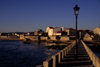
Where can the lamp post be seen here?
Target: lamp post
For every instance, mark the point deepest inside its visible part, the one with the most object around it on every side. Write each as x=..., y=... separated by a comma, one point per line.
x=76, y=12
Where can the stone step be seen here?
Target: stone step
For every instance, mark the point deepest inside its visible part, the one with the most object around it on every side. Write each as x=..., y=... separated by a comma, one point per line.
x=75, y=63
x=68, y=56
x=73, y=59
x=82, y=60
x=77, y=66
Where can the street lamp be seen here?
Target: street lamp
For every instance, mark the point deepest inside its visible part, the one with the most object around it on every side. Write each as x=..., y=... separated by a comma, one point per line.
x=76, y=12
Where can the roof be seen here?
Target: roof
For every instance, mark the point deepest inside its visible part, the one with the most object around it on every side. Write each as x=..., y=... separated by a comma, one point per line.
x=69, y=29
x=54, y=27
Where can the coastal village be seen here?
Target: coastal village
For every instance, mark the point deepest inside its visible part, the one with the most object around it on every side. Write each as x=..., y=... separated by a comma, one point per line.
x=49, y=33
x=53, y=34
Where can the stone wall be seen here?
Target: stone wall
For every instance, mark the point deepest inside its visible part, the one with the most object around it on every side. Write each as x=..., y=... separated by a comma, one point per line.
x=9, y=38
x=64, y=38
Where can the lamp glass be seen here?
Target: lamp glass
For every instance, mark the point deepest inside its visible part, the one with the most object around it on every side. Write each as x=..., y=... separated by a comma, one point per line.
x=76, y=10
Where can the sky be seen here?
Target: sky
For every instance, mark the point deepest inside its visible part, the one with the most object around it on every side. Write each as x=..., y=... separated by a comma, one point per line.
x=30, y=15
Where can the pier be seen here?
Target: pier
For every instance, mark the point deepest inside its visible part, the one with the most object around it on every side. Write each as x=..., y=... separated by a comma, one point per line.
x=67, y=57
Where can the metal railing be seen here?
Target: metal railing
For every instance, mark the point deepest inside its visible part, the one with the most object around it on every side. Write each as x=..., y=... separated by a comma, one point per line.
x=55, y=59
x=95, y=60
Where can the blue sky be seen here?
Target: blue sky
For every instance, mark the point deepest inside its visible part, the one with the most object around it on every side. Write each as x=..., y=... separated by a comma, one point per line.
x=29, y=15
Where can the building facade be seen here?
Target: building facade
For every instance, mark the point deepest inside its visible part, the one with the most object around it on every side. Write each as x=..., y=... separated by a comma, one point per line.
x=97, y=31
x=53, y=31
x=70, y=31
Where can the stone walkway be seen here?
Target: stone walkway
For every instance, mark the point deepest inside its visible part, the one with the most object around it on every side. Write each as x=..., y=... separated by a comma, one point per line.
x=82, y=59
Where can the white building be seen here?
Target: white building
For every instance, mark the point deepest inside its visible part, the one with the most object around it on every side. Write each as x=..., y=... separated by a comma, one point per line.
x=53, y=30
x=97, y=30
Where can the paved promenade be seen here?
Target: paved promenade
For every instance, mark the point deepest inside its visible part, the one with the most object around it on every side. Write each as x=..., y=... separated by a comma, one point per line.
x=82, y=59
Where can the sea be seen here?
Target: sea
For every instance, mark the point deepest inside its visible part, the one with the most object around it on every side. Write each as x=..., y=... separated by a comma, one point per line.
x=18, y=54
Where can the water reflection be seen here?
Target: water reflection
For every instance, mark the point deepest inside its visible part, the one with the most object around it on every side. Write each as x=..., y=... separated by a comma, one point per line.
x=18, y=54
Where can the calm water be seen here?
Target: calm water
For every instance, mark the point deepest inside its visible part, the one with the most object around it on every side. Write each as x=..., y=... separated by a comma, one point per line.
x=18, y=54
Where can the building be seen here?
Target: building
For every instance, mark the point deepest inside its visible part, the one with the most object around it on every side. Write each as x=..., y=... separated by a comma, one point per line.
x=53, y=31
x=88, y=37
x=82, y=33
x=97, y=30
x=60, y=31
x=57, y=33
x=96, y=37
x=39, y=32
x=70, y=31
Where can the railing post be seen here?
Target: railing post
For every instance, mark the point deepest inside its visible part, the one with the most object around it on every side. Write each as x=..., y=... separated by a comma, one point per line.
x=59, y=57
x=62, y=54
x=45, y=64
x=54, y=61
x=65, y=52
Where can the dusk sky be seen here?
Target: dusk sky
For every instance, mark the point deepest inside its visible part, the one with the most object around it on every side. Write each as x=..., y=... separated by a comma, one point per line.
x=29, y=15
